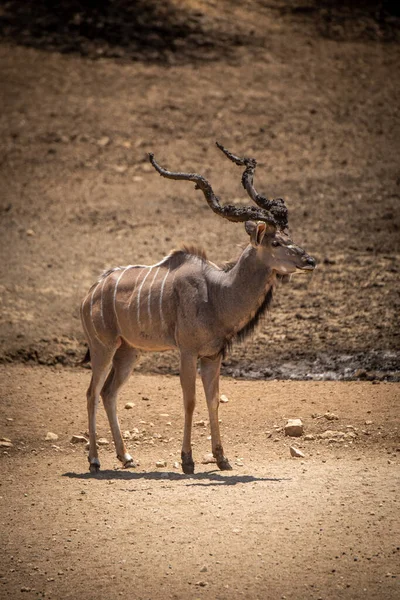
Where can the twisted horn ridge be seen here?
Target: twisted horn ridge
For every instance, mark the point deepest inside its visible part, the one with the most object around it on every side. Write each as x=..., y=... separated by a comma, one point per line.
x=229, y=211
x=276, y=207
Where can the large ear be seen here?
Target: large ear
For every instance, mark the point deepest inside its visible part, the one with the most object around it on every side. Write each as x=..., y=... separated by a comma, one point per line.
x=256, y=232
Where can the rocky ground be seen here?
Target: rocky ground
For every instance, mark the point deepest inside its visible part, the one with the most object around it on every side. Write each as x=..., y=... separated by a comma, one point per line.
x=321, y=526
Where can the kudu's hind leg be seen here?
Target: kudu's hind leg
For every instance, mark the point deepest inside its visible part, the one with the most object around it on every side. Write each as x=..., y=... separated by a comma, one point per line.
x=101, y=361
x=188, y=383
x=123, y=361
x=210, y=370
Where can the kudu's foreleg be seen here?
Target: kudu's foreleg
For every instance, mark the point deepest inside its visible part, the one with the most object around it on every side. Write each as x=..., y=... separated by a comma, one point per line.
x=210, y=370
x=188, y=383
x=123, y=361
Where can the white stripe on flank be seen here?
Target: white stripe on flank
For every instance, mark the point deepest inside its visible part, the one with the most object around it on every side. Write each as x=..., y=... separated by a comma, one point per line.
x=149, y=298
x=138, y=296
x=91, y=312
x=101, y=302
x=115, y=297
x=161, y=297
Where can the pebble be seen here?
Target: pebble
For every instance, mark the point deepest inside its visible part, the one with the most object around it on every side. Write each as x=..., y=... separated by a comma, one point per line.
x=6, y=444
x=331, y=416
x=51, y=437
x=203, y=569
x=161, y=463
x=103, y=141
x=295, y=452
x=103, y=442
x=78, y=439
x=309, y=437
x=208, y=459
x=129, y=405
x=176, y=465
x=294, y=428
x=201, y=423
x=224, y=399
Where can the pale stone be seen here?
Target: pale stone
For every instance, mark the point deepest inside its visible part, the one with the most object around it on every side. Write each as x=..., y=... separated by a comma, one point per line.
x=5, y=444
x=330, y=416
x=51, y=437
x=208, y=459
x=223, y=399
x=103, y=141
x=129, y=405
x=294, y=428
x=331, y=434
x=161, y=463
x=78, y=439
x=295, y=452
x=309, y=437
x=103, y=442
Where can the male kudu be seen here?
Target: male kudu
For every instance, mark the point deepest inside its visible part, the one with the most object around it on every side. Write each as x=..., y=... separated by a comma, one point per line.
x=188, y=303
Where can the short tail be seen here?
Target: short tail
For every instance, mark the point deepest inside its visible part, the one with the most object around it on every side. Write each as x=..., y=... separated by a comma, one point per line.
x=85, y=359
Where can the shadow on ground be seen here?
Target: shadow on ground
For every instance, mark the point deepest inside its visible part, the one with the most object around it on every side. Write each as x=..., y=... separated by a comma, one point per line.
x=199, y=479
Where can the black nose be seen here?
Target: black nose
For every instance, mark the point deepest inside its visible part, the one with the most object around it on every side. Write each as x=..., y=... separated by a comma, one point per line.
x=311, y=261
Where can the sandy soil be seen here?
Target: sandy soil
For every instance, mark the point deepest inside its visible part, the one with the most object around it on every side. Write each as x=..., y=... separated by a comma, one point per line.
x=325, y=526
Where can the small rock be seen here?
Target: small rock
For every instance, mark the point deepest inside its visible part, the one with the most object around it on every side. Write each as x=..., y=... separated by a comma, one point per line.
x=51, y=437
x=103, y=442
x=223, y=399
x=120, y=168
x=331, y=434
x=126, y=435
x=331, y=416
x=199, y=423
x=176, y=465
x=129, y=405
x=239, y=463
x=161, y=463
x=78, y=439
x=25, y=589
x=295, y=452
x=202, y=583
x=208, y=459
x=203, y=569
x=103, y=141
x=5, y=444
x=30, y=232
x=368, y=422
x=294, y=428
x=309, y=437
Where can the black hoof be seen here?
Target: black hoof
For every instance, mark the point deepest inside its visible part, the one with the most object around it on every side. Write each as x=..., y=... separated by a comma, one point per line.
x=224, y=465
x=94, y=467
x=187, y=463
x=188, y=468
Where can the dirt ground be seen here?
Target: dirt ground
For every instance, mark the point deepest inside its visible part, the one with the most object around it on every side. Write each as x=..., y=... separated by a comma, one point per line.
x=309, y=89
x=323, y=526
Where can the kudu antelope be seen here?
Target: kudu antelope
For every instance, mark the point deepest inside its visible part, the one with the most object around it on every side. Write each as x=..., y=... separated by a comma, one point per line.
x=188, y=303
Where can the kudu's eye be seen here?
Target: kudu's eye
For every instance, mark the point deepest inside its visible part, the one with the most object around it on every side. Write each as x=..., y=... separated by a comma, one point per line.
x=275, y=243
